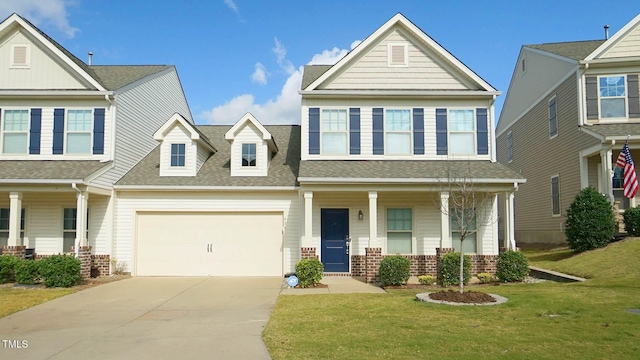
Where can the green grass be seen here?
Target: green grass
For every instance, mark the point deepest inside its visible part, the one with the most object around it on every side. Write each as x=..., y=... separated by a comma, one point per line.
x=540, y=321
x=14, y=300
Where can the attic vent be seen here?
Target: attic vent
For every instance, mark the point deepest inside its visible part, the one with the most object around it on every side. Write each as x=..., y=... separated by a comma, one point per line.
x=20, y=56
x=398, y=55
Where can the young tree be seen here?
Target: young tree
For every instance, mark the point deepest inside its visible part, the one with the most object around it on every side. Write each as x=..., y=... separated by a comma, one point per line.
x=469, y=207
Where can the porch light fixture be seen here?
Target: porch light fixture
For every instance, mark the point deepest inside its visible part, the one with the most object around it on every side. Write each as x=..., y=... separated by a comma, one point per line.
x=360, y=215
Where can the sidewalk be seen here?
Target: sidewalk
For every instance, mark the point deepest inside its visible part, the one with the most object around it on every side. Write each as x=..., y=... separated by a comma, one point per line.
x=335, y=285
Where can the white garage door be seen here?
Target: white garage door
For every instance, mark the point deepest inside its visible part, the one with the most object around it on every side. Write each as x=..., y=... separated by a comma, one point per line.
x=209, y=244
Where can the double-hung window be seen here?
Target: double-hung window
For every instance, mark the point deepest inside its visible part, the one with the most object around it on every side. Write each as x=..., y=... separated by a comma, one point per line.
x=79, y=127
x=248, y=155
x=612, y=93
x=618, y=188
x=510, y=146
x=15, y=129
x=462, y=132
x=177, y=155
x=335, y=132
x=398, y=132
x=464, y=222
x=399, y=231
x=69, y=229
x=4, y=226
x=555, y=195
x=553, y=117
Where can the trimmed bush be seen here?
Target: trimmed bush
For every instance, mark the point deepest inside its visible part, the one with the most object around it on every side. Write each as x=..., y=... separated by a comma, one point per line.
x=449, y=271
x=309, y=272
x=394, y=270
x=632, y=221
x=484, y=278
x=60, y=271
x=426, y=279
x=7, y=268
x=28, y=272
x=590, y=221
x=512, y=266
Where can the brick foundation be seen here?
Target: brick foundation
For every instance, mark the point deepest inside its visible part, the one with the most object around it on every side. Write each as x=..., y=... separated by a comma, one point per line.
x=358, y=265
x=84, y=254
x=484, y=264
x=308, y=253
x=372, y=261
x=17, y=251
x=100, y=265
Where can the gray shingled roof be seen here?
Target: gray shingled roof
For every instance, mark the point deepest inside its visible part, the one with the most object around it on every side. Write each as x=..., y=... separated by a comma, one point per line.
x=398, y=169
x=577, y=50
x=312, y=72
x=283, y=170
x=608, y=130
x=114, y=77
x=49, y=169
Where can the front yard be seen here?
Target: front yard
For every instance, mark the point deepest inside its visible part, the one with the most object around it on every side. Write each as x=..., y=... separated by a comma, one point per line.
x=540, y=321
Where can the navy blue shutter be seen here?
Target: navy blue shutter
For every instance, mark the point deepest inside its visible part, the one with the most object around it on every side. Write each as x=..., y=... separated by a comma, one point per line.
x=354, y=131
x=98, y=131
x=314, y=131
x=378, y=131
x=34, y=131
x=58, y=131
x=441, y=132
x=592, y=97
x=482, y=131
x=418, y=131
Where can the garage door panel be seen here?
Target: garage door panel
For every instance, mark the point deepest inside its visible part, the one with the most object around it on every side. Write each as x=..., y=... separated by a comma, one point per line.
x=201, y=244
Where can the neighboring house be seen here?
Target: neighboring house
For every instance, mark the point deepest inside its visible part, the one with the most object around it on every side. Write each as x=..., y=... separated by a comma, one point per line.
x=568, y=111
x=68, y=131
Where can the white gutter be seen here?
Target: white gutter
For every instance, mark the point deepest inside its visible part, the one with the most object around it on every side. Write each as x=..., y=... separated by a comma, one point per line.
x=202, y=188
x=365, y=93
x=40, y=181
x=54, y=93
x=325, y=180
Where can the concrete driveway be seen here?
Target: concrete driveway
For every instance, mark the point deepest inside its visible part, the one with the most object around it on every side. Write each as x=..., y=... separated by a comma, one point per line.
x=148, y=318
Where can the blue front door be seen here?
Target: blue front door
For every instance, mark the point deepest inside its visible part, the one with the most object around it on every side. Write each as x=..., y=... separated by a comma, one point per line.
x=334, y=232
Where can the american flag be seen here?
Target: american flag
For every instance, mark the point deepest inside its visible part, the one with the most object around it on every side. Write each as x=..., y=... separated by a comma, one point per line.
x=630, y=182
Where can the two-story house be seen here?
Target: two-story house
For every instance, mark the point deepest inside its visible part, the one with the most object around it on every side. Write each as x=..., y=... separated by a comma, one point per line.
x=568, y=112
x=361, y=177
x=68, y=131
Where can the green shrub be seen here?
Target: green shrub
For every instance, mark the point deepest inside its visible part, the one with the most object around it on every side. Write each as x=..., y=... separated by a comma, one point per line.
x=394, y=270
x=632, y=221
x=7, y=268
x=426, y=279
x=590, y=221
x=60, y=271
x=484, y=278
x=449, y=271
x=28, y=272
x=512, y=266
x=309, y=272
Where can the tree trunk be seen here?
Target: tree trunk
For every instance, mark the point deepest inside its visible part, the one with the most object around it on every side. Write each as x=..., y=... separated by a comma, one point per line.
x=461, y=269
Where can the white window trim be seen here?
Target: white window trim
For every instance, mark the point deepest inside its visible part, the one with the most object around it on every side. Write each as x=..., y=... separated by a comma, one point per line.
x=476, y=233
x=559, y=196
x=2, y=131
x=242, y=156
x=171, y=156
x=322, y=132
x=27, y=63
x=390, y=46
x=414, y=242
x=475, y=132
x=549, y=117
x=625, y=97
x=510, y=146
x=387, y=131
x=67, y=132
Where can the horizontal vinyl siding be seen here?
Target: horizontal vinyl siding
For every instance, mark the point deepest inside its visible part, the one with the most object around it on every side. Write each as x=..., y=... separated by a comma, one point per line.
x=141, y=110
x=128, y=203
x=537, y=158
x=629, y=46
x=99, y=224
x=371, y=71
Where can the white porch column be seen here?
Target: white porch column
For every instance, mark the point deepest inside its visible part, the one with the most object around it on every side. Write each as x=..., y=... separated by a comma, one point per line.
x=15, y=211
x=445, y=232
x=373, y=219
x=308, y=219
x=607, y=172
x=82, y=201
x=509, y=242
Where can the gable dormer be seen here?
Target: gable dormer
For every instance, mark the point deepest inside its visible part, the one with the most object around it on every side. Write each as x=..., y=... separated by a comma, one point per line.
x=183, y=149
x=252, y=147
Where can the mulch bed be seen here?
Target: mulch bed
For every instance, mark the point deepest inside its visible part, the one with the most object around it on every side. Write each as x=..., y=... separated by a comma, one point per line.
x=468, y=297
x=319, y=286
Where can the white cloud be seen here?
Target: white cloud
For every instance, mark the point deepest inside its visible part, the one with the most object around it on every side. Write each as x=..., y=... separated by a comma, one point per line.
x=281, y=57
x=285, y=108
x=39, y=12
x=232, y=5
x=259, y=74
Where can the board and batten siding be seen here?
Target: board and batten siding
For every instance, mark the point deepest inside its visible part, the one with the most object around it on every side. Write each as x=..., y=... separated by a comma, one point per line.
x=366, y=125
x=542, y=72
x=43, y=73
x=128, y=203
x=629, y=46
x=142, y=108
x=537, y=158
x=372, y=71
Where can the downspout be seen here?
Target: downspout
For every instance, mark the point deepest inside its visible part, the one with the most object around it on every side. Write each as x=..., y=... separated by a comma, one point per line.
x=77, y=242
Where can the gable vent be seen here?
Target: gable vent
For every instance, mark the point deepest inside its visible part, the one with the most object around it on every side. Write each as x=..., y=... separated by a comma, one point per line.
x=20, y=56
x=397, y=54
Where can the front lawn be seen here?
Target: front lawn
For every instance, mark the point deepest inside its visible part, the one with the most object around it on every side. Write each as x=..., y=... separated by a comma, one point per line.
x=540, y=321
x=14, y=300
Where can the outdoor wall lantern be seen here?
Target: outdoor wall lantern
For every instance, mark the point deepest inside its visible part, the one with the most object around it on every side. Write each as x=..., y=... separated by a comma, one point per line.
x=360, y=215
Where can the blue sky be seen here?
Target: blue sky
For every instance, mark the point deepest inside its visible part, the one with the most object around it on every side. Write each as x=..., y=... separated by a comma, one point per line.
x=235, y=56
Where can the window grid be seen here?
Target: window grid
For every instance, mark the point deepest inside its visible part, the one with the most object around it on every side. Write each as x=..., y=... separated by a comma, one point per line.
x=618, y=188
x=468, y=220
x=612, y=92
x=69, y=229
x=555, y=195
x=248, y=155
x=4, y=225
x=177, y=155
x=334, y=132
x=15, y=129
x=399, y=231
x=79, y=127
x=462, y=131
x=510, y=146
x=553, y=117
x=397, y=130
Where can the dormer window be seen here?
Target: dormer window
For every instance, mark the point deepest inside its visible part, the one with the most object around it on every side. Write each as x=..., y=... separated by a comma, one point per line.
x=248, y=155
x=177, y=155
